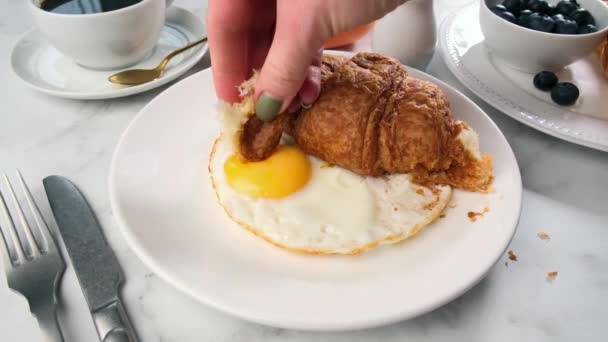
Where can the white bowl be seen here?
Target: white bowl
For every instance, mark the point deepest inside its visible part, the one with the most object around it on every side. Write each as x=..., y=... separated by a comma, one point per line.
x=533, y=51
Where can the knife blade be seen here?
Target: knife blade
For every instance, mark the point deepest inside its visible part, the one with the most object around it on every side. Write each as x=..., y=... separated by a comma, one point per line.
x=95, y=264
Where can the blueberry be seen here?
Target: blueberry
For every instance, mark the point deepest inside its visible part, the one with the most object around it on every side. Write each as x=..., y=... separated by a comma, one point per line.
x=524, y=18
x=513, y=6
x=545, y=80
x=558, y=22
x=534, y=17
x=541, y=23
x=565, y=94
x=586, y=29
x=565, y=7
x=558, y=17
x=566, y=27
x=508, y=16
x=498, y=9
x=582, y=17
x=539, y=6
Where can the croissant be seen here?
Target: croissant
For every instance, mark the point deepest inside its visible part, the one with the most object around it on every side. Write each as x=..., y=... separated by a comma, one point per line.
x=373, y=119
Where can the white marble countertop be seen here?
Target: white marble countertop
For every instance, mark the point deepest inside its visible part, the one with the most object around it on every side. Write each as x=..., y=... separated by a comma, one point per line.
x=566, y=195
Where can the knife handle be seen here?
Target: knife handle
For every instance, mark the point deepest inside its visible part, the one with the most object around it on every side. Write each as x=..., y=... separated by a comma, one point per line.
x=112, y=324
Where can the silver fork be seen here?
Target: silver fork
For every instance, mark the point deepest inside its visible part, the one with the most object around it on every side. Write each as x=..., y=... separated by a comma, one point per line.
x=32, y=261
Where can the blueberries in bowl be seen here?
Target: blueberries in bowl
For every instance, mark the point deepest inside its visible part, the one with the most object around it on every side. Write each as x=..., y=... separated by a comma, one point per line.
x=524, y=18
x=566, y=27
x=513, y=6
x=498, y=9
x=565, y=8
x=582, y=17
x=508, y=16
x=542, y=23
x=567, y=17
x=565, y=94
x=586, y=29
x=539, y=6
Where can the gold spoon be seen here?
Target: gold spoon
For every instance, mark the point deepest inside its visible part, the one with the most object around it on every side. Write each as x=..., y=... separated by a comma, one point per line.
x=139, y=76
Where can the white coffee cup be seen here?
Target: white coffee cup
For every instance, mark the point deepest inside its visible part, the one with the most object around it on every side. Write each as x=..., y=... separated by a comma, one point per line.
x=106, y=40
x=408, y=34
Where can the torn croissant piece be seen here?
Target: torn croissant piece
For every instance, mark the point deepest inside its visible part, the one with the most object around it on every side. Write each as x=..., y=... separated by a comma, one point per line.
x=373, y=119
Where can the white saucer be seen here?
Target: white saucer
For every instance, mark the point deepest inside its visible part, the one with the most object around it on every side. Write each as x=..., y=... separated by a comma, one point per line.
x=43, y=68
x=513, y=92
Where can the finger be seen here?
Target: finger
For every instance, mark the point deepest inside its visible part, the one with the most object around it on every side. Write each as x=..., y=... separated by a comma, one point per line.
x=312, y=87
x=296, y=42
x=232, y=26
x=317, y=58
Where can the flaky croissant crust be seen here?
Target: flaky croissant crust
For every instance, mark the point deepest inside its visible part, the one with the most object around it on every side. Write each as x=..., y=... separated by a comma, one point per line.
x=373, y=119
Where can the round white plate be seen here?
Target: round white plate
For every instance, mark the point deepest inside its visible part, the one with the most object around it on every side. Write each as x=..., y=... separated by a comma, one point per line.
x=163, y=199
x=44, y=68
x=512, y=91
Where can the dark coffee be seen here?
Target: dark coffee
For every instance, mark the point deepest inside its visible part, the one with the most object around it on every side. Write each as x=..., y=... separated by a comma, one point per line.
x=85, y=6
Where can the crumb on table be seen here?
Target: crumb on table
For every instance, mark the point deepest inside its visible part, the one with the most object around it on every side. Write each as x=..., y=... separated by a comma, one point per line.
x=551, y=276
x=544, y=236
x=420, y=192
x=512, y=256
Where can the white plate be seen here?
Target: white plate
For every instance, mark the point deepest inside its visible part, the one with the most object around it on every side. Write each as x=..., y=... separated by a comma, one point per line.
x=162, y=197
x=43, y=68
x=512, y=91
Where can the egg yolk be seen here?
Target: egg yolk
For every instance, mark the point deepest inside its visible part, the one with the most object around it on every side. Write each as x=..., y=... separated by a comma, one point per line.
x=285, y=172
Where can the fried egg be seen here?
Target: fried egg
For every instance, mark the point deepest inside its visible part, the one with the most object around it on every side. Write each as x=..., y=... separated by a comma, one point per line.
x=300, y=203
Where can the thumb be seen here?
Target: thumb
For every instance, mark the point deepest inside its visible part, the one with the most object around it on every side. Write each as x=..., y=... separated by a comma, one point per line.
x=295, y=45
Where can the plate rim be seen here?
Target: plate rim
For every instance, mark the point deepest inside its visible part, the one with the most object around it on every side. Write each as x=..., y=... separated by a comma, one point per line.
x=377, y=320
x=444, y=32
x=121, y=92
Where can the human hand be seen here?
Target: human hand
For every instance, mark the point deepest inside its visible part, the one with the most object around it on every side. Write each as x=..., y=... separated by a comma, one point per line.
x=283, y=39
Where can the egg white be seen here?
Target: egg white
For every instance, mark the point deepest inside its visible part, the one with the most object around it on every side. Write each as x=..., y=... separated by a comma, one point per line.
x=337, y=211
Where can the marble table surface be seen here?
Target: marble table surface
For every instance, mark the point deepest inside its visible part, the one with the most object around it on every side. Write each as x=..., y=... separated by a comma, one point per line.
x=565, y=195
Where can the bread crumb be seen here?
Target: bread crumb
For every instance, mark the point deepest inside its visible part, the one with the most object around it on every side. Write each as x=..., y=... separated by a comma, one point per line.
x=512, y=256
x=551, y=276
x=506, y=264
x=543, y=236
x=326, y=165
x=452, y=206
x=442, y=216
x=473, y=215
x=420, y=192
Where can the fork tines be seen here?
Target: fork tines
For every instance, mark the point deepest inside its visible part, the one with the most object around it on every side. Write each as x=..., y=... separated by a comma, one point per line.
x=25, y=243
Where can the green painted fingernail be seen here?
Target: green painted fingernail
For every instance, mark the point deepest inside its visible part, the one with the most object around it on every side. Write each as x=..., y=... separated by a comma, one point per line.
x=267, y=107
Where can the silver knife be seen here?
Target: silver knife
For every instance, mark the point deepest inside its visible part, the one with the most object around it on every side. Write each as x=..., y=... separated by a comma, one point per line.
x=95, y=264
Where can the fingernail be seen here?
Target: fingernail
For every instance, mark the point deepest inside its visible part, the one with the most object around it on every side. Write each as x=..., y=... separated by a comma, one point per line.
x=267, y=107
x=312, y=86
x=306, y=105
